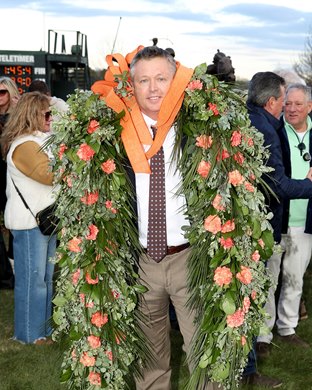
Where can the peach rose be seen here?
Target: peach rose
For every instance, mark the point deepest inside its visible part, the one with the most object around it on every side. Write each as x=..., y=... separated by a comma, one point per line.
x=243, y=340
x=236, y=138
x=204, y=141
x=73, y=244
x=212, y=224
x=75, y=277
x=226, y=243
x=86, y=360
x=245, y=275
x=246, y=304
x=94, y=341
x=261, y=243
x=98, y=319
x=93, y=232
x=195, y=84
x=204, y=168
x=253, y=295
x=90, y=198
x=85, y=152
x=255, y=256
x=216, y=203
x=249, y=187
x=108, y=166
x=239, y=158
x=235, y=320
x=213, y=108
x=89, y=279
x=109, y=354
x=62, y=149
x=222, y=276
x=235, y=178
x=93, y=126
x=94, y=378
x=228, y=226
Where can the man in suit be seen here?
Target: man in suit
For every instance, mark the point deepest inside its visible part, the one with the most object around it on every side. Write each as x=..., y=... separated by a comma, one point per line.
x=265, y=101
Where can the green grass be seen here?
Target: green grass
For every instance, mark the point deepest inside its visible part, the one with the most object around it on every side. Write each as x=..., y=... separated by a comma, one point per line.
x=30, y=367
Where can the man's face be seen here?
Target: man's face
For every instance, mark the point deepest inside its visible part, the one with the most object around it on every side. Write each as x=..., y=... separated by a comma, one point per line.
x=278, y=104
x=151, y=82
x=296, y=109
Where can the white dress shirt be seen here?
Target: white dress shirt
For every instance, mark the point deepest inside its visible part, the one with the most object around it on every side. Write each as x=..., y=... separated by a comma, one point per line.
x=175, y=205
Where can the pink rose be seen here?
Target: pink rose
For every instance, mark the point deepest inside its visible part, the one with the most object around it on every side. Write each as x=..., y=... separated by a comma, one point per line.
x=108, y=166
x=224, y=154
x=204, y=141
x=94, y=341
x=222, y=276
x=93, y=232
x=236, y=138
x=73, y=245
x=255, y=256
x=195, y=84
x=204, y=168
x=90, y=198
x=245, y=275
x=253, y=294
x=89, y=279
x=85, y=152
x=94, y=378
x=93, y=126
x=98, y=319
x=86, y=360
x=235, y=178
x=228, y=226
x=116, y=294
x=235, y=320
x=227, y=243
x=212, y=224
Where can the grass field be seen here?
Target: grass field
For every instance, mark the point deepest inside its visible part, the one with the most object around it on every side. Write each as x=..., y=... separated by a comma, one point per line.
x=29, y=367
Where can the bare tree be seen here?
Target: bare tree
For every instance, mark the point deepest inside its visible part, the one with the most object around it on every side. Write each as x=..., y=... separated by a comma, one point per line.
x=304, y=66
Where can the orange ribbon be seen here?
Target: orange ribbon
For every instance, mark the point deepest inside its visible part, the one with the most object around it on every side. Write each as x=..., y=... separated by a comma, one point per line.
x=135, y=132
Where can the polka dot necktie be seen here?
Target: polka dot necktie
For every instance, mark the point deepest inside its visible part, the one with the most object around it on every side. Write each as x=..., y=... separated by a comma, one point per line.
x=156, y=231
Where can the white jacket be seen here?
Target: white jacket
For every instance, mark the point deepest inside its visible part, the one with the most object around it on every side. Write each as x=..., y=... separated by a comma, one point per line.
x=37, y=195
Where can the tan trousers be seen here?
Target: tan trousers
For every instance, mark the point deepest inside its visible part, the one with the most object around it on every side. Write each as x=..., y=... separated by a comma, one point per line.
x=164, y=280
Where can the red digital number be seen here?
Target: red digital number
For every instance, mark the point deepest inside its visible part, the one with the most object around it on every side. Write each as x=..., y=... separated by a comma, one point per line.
x=19, y=80
x=19, y=69
x=28, y=69
x=28, y=81
x=12, y=69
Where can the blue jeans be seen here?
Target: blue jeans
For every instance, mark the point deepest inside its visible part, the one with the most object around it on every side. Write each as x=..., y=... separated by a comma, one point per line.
x=251, y=366
x=33, y=288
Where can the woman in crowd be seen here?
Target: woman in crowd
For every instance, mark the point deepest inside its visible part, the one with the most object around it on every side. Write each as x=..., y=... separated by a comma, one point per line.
x=9, y=96
x=29, y=173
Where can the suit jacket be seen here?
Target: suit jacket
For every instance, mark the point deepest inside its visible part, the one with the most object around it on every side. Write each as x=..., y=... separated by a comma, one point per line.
x=282, y=185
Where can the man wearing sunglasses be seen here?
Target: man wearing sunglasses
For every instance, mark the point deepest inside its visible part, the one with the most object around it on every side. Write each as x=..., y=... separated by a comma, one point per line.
x=296, y=142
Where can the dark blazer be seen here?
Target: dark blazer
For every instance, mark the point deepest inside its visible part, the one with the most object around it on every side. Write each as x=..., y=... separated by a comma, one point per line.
x=287, y=164
x=281, y=184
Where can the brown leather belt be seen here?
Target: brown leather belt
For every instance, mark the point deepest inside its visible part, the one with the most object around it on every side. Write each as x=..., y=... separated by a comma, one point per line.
x=172, y=250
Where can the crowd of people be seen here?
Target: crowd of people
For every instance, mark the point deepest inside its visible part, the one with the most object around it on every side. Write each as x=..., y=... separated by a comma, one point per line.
x=278, y=109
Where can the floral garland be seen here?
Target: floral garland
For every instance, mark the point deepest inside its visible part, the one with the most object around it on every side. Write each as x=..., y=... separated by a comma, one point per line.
x=222, y=164
x=96, y=292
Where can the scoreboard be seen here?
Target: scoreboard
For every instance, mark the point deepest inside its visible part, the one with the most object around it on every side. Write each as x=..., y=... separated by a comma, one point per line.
x=23, y=67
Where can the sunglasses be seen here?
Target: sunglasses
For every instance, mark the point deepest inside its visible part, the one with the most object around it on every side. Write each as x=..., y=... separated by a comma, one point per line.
x=3, y=92
x=306, y=156
x=47, y=115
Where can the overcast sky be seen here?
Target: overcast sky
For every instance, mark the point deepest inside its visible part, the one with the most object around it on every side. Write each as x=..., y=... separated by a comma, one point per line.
x=258, y=35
